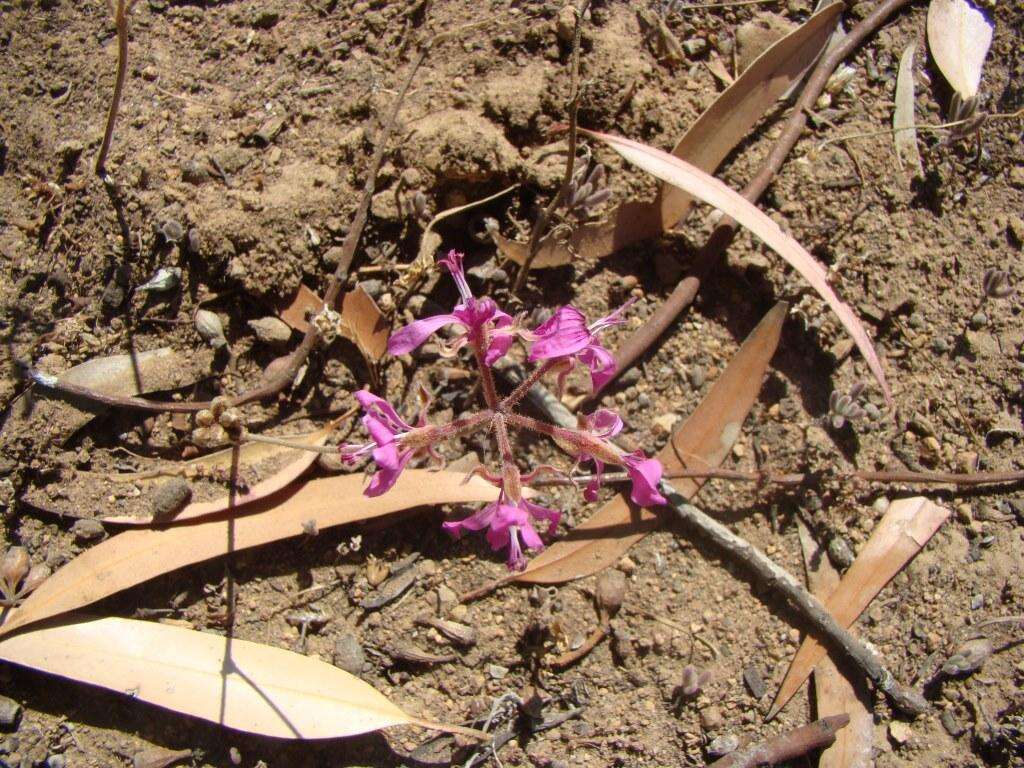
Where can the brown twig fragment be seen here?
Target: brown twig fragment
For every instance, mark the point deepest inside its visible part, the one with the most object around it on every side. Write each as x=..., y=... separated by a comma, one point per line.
x=786, y=746
x=540, y=226
x=685, y=292
x=120, y=16
x=569, y=658
x=908, y=701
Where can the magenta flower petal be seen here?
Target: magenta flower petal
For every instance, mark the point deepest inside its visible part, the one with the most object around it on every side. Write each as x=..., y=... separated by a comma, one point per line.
x=380, y=433
x=537, y=512
x=565, y=333
x=411, y=336
x=604, y=423
x=530, y=537
x=390, y=465
x=646, y=475
x=475, y=522
x=601, y=364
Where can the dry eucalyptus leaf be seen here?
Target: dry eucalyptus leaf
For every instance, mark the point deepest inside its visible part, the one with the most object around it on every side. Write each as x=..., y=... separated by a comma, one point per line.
x=235, y=683
x=362, y=322
x=135, y=556
x=706, y=144
x=835, y=694
x=701, y=441
x=959, y=36
x=904, y=123
x=903, y=532
x=710, y=190
x=157, y=370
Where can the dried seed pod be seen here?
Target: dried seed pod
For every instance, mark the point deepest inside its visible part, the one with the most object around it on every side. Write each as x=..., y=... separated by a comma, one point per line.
x=37, y=575
x=416, y=656
x=15, y=565
x=610, y=592
x=377, y=571
x=165, y=279
x=204, y=418
x=172, y=231
x=232, y=421
x=969, y=657
x=210, y=328
x=218, y=405
x=461, y=634
x=169, y=498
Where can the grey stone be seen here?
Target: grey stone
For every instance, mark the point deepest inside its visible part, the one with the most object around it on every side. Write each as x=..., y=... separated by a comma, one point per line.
x=349, y=654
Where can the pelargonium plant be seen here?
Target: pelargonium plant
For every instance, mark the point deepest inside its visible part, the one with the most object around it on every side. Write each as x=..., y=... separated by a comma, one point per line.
x=558, y=345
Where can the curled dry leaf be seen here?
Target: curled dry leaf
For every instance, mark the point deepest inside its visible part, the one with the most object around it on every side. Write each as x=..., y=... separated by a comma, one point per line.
x=959, y=36
x=362, y=322
x=713, y=192
x=904, y=123
x=702, y=441
x=834, y=692
x=135, y=556
x=430, y=241
x=157, y=370
x=234, y=683
x=706, y=144
x=903, y=532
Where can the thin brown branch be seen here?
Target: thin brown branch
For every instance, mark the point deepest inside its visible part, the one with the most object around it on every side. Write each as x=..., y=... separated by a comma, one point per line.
x=569, y=658
x=120, y=14
x=685, y=292
x=786, y=746
x=541, y=224
x=834, y=635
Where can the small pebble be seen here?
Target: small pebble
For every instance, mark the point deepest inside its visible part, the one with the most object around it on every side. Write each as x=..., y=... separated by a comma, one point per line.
x=496, y=671
x=711, y=718
x=900, y=732
x=10, y=712
x=754, y=682
x=271, y=330
x=56, y=761
x=348, y=654
x=723, y=745
x=169, y=498
x=235, y=756
x=88, y=529
x=840, y=552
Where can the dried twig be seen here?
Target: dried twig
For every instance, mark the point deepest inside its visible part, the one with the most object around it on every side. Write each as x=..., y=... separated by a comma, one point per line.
x=120, y=15
x=786, y=746
x=685, y=292
x=540, y=226
x=908, y=701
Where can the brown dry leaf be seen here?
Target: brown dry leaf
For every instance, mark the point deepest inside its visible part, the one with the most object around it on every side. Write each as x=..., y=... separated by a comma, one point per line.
x=430, y=241
x=286, y=476
x=135, y=556
x=904, y=530
x=126, y=375
x=706, y=144
x=959, y=36
x=904, y=124
x=702, y=441
x=717, y=68
x=362, y=322
x=235, y=683
x=833, y=692
x=710, y=190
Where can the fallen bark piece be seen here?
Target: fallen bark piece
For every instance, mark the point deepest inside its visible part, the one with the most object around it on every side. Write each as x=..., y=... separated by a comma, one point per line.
x=787, y=746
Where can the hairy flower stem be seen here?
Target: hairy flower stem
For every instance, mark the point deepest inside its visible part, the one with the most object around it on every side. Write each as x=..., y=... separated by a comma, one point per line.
x=524, y=386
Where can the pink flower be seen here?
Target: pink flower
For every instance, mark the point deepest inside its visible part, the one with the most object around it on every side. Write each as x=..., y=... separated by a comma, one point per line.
x=567, y=335
x=387, y=430
x=485, y=325
x=645, y=473
x=509, y=525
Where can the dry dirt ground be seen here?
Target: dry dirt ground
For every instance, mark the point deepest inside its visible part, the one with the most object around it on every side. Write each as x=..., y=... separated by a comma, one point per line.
x=248, y=125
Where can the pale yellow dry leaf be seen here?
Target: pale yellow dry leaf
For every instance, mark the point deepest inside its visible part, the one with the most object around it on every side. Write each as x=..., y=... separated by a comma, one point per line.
x=904, y=123
x=234, y=683
x=135, y=556
x=959, y=36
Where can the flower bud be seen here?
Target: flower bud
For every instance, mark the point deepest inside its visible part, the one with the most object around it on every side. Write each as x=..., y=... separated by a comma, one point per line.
x=209, y=327
x=611, y=589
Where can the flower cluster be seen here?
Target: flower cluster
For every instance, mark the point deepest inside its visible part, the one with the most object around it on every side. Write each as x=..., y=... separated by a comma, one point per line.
x=558, y=345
